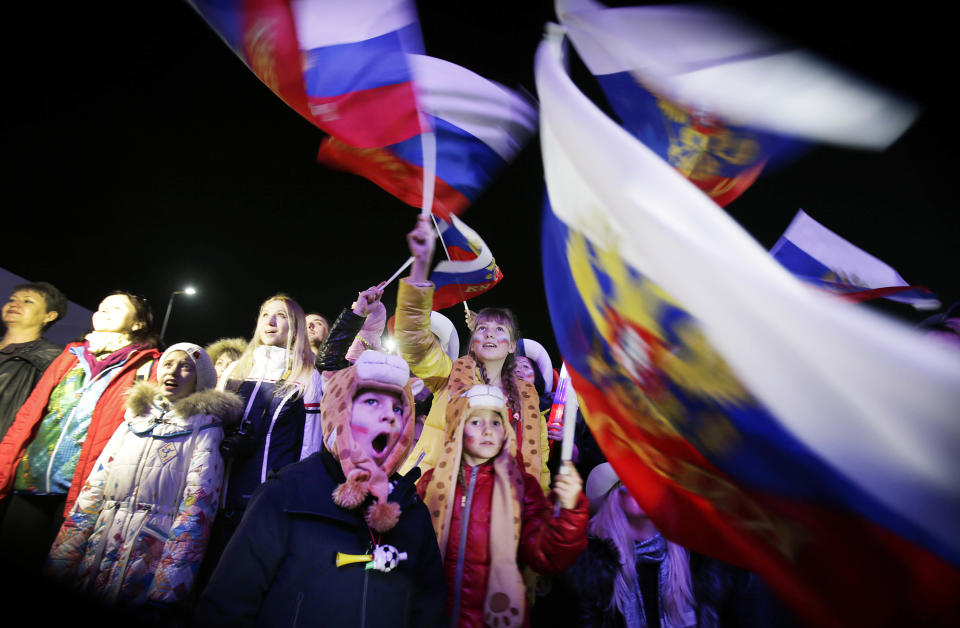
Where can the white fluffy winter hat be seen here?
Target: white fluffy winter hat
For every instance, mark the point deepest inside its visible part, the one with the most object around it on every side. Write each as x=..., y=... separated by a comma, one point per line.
x=483, y=397
x=446, y=333
x=202, y=364
x=381, y=371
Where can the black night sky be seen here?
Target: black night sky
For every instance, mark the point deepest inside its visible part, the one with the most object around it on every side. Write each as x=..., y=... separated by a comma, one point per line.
x=140, y=153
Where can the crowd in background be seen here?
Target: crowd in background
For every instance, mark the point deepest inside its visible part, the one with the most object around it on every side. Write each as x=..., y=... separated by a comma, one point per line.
x=308, y=474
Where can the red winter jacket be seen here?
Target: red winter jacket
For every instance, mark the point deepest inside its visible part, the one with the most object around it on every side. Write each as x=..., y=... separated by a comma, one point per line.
x=107, y=415
x=547, y=545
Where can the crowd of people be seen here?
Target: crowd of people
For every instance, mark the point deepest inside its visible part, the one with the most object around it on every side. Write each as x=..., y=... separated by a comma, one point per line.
x=306, y=475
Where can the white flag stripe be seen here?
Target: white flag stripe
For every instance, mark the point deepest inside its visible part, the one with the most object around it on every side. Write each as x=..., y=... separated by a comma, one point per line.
x=873, y=398
x=328, y=23
x=497, y=116
x=840, y=255
x=717, y=63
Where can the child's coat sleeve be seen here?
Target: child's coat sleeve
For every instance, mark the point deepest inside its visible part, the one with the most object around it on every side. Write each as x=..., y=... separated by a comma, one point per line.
x=550, y=545
x=418, y=346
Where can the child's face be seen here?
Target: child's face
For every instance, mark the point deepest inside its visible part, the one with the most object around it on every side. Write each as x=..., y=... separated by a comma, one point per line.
x=176, y=375
x=376, y=422
x=524, y=369
x=492, y=339
x=483, y=436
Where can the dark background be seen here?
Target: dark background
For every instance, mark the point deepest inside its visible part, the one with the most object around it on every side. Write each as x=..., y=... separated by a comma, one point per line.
x=141, y=154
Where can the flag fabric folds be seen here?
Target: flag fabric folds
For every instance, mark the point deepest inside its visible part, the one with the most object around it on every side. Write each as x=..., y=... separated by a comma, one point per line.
x=717, y=98
x=479, y=126
x=341, y=65
x=470, y=270
x=820, y=257
x=753, y=418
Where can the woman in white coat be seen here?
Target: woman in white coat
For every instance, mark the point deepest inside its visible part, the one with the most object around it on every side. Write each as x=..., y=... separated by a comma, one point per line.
x=139, y=528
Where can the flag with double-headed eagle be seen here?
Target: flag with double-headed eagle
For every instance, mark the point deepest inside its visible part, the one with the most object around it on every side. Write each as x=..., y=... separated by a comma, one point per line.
x=753, y=418
x=341, y=65
x=720, y=99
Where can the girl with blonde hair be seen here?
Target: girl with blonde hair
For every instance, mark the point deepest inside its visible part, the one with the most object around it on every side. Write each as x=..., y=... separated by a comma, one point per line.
x=280, y=424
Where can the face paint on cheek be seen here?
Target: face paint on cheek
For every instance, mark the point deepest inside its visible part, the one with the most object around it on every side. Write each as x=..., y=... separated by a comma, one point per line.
x=360, y=429
x=503, y=342
x=469, y=439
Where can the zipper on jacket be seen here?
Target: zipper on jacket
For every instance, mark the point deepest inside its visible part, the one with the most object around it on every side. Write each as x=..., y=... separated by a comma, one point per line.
x=63, y=428
x=266, y=443
x=464, y=528
x=296, y=612
x=363, y=600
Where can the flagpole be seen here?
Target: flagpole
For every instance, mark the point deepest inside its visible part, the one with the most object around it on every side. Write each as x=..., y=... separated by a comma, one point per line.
x=428, y=144
x=397, y=274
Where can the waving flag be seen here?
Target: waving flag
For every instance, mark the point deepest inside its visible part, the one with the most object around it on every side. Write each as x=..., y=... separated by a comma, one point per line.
x=754, y=419
x=470, y=269
x=479, y=125
x=820, y=257
x=341, y=65
x=716, y=98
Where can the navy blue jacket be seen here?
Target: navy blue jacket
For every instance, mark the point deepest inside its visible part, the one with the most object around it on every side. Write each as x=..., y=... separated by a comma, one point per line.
x=279, y=568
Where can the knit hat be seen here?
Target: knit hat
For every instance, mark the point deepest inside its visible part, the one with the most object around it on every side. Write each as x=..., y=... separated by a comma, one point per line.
x=368, y=338
x=505, y=588
x=372, y=371
x=202, y=364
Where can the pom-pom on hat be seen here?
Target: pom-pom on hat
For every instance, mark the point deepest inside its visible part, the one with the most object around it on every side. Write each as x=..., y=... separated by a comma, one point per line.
x=372, y=371
x=202, y=364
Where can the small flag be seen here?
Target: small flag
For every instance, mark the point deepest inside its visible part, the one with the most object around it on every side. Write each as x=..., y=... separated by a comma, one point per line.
x=820, y=257
x=471, y=269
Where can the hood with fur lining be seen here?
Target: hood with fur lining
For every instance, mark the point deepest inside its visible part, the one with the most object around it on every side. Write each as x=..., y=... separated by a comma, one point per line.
x=226, y=406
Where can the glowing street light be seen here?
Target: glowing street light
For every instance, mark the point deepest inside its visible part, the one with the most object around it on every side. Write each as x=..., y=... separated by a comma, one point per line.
x=189, y=291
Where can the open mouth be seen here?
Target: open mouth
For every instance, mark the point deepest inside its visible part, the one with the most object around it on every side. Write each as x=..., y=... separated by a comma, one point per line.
x=380, y=442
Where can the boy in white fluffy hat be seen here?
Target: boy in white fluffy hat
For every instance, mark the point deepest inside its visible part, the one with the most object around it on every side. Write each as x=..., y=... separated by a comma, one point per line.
x=338, y=538
x=491, y=518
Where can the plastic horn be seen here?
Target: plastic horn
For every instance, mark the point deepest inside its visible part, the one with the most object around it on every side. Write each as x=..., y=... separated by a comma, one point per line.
x=349, y=559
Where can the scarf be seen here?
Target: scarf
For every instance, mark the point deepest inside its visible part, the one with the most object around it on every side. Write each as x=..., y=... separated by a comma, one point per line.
x=103, y=349
x=654, y=551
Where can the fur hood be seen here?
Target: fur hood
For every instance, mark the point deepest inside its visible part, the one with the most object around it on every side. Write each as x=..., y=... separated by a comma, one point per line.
x=215, y=349
x=226, y=406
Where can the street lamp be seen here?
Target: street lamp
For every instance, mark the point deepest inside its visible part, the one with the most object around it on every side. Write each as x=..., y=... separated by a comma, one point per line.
x=189, y=291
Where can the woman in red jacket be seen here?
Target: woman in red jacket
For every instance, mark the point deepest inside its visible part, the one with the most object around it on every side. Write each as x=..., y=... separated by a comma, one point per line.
x=491, y=517
x=63, y=426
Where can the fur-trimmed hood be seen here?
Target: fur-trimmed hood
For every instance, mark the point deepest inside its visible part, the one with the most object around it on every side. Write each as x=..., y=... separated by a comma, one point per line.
x=217, y=348
x=226, y=406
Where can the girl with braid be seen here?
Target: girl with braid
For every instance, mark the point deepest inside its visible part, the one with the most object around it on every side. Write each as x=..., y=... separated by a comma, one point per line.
x=490, y=361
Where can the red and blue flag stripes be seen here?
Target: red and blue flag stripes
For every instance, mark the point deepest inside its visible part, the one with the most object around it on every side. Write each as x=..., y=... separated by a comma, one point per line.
x=822, y=258
x=343, y=66
x=710, y=464
x=470, y=270
x=479, y=127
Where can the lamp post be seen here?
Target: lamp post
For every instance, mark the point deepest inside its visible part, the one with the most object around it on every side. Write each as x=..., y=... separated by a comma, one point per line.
x=189, y=291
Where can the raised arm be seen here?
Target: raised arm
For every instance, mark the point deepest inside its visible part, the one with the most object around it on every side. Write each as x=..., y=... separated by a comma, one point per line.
x=418, y=346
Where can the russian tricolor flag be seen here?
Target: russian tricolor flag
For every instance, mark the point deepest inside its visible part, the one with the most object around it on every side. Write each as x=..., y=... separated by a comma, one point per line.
x=341, y=65
x=822, y=258
x=479, y=127
x=470, y=269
